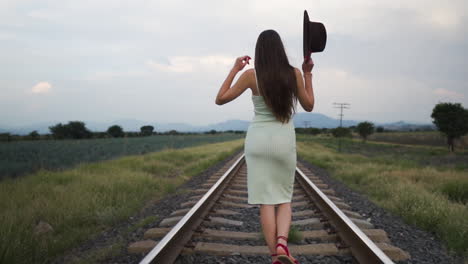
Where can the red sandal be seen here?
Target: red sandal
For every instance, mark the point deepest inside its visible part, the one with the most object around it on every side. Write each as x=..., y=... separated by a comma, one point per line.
x=276, y=261
x=285, y=259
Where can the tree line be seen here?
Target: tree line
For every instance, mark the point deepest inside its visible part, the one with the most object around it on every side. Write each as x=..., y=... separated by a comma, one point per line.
x=364, y=129
x=451, y=119
x=78, y=130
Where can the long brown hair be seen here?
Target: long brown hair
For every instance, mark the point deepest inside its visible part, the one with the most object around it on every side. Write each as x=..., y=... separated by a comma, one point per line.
x=276, y=77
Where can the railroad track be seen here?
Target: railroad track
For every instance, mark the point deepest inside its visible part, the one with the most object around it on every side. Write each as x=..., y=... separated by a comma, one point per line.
x=218, y=215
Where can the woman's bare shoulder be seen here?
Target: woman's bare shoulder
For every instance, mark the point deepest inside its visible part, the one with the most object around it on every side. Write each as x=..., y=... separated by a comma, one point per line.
x=250, y=74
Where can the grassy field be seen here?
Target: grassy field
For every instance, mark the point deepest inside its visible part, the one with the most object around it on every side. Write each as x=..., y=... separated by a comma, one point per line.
x=90, y=198
x=20, y=157
x=429, y=138
x=431, y=196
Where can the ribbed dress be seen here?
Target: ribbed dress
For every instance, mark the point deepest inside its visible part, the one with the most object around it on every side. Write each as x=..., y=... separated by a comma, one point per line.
x=270, y=155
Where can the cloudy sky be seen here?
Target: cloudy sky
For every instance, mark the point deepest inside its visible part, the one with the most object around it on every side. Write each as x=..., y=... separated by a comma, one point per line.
x=163, y=61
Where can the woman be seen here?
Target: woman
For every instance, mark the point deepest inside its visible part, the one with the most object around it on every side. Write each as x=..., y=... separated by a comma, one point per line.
x=270, y=143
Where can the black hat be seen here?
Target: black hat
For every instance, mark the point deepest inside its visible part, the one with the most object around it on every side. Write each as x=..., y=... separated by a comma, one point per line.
x=315, y=36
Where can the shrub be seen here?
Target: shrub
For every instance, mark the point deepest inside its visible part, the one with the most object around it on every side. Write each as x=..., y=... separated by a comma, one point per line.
x=34, y=135
x=341, y=132
x=452, y=120
x=115, y=131
x=146, y=130
x=365, y=129
x=74, y=129
x=173, y=132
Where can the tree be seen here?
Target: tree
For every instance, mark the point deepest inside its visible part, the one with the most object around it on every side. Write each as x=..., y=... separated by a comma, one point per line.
x=341, y=132
x=34, y=135
x=115, y=131
x=173, y=132
x=146, y=130
x=77, y=130
x=365, y=129
x=74, y=129
x=380, y=129
x=58, y=131
x=452, y=120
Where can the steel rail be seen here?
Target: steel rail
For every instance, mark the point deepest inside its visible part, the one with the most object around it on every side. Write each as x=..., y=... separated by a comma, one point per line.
x=362, y=248
x=170, y=246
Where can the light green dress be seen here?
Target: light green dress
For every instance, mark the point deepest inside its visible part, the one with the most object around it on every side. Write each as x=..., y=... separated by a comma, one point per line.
x=270, y=155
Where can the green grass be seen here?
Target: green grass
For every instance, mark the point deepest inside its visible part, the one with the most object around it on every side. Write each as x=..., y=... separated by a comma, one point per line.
x=389, y=153
x=428, y=138
x=142, y=223
x=294, y=235
x=21, y=157
x=83, y=201
x=428, y=196
x=456, y=191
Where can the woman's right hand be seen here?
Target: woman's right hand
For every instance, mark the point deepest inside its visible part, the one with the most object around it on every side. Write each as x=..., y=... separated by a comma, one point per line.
x=240, y=63
x=308, y=64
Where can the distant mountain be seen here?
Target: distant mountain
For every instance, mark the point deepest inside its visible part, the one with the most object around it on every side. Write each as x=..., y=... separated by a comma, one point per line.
x=41, y=127
x=403, y=126
x=182, y=127
x=228, y=125
x=319, y=120
x=302, y=119
x=323, y=121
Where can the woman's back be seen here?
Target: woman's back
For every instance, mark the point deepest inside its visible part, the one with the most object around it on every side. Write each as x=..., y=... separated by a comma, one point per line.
x=261, y=110
x=270, y=154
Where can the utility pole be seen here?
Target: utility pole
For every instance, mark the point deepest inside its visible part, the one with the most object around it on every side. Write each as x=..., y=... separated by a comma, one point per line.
x=306, y=124
x=341, y=106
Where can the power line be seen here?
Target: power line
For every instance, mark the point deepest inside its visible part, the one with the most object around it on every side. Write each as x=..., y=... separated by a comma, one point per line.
x=341, y=106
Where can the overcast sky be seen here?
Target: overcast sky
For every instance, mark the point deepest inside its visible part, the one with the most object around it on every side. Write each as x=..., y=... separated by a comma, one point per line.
x=164, y=61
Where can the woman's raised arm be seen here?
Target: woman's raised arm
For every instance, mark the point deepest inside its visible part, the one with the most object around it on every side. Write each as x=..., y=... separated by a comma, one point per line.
x=226, y=93
x=305, y=88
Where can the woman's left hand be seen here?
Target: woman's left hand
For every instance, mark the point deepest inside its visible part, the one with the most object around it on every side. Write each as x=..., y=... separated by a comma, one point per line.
x=241, y=62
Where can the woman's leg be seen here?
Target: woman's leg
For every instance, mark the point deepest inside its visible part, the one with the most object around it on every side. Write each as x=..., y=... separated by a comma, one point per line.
x=268, y=221
x=283, y=223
